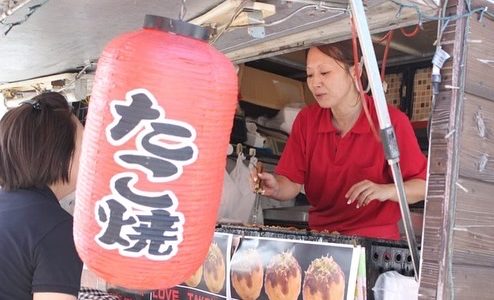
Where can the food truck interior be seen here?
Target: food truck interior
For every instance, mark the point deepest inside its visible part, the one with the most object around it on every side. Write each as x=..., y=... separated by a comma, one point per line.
x=54, y=45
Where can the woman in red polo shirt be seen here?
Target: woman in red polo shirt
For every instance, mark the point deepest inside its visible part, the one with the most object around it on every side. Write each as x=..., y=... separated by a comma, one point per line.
x=334, y=154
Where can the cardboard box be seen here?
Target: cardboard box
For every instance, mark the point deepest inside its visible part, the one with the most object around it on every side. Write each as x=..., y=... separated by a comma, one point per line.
x=268, y=89
x=309, y=98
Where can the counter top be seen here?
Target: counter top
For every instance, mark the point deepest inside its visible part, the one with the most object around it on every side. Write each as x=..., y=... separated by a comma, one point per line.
x=298, y=214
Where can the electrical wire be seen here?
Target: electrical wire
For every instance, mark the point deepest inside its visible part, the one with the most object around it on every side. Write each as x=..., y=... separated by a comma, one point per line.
x=10, y=9
x=442, y=14
x=343, y=3
x=480, y=10
x=280, y=32
x=237, y=12
x=303, y=8
x=76, y=77
x=32, y=10
x=320, y=5
x=421, y=16
x=183, y=11
x=489, y=14
x=468, y=4
x=424, y=17
x=277, y=22
x=443, y=23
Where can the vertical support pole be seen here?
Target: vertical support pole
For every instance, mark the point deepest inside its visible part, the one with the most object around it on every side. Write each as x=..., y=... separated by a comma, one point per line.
x=388, y=136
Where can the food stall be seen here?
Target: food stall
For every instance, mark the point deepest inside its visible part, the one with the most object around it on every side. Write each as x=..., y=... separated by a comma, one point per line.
x=55, y=45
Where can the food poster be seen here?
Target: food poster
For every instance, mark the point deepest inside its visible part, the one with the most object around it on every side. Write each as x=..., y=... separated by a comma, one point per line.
x=211, y=281
x=278, y=269
x=122, y=294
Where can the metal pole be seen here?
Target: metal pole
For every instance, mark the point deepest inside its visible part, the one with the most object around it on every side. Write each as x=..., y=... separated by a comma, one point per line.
x=387, y=132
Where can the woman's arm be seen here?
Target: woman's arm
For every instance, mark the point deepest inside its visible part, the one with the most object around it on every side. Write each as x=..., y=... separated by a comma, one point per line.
x=53, y=296
x=414, y=189
x=365, y=191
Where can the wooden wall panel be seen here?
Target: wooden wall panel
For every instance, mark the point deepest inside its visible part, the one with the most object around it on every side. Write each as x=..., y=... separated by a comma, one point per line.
x=480, y=62
x=472, y=243
x=458, y=239
x=473, y=235
x=477, y=139
x=472, y=282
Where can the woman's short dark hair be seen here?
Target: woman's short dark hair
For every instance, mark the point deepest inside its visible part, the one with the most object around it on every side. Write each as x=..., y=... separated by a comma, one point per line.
x=37, y=142
x=342, y=52
x=338, y=53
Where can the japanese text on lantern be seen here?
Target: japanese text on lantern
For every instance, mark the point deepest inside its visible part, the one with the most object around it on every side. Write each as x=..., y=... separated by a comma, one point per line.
x=136, y=222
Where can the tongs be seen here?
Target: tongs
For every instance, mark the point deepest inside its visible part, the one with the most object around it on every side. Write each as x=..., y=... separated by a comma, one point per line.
x=258, y=190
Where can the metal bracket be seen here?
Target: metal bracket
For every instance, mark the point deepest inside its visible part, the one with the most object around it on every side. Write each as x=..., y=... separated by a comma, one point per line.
x=176, y=26
x=255, y=17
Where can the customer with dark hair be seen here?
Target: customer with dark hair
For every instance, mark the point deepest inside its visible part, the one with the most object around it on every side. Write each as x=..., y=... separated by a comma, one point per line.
x=333, y=152
x=39, y=160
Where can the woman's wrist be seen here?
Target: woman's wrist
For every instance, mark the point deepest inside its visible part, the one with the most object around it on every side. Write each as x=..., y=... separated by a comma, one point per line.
x=276, y=191
x=393, y=194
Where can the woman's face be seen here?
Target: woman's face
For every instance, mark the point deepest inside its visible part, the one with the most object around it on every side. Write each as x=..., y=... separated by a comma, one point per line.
x=328, y=80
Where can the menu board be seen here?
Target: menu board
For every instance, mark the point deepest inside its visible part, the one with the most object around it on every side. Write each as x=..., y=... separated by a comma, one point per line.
x=267, y=268
x=250, y=268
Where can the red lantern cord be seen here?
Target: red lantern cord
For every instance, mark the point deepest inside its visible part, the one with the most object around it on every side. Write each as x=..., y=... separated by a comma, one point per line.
x=410, y=34
x=389, y=36
x=358, y=73
x=385, y=36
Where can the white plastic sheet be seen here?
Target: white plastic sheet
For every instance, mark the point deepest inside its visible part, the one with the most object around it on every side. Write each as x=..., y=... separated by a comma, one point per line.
x=237, y=199
x=392, y=285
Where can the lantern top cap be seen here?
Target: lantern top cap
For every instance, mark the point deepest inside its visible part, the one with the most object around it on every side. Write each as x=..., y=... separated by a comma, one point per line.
x=176, y=26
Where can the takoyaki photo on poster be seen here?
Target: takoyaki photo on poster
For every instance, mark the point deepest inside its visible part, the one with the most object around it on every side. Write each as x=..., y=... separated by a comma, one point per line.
x=211, y=280
x=279, y=269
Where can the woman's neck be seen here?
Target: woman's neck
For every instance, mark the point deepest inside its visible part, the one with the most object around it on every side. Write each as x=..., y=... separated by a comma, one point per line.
x=61, y=190
x=346, y=114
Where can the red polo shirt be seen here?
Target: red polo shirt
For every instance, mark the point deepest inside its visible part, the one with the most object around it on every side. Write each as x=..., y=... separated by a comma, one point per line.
x=328, y=165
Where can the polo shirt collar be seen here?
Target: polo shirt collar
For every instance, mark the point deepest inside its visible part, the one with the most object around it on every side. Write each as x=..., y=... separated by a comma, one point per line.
x=45, y=191
x=360, y=127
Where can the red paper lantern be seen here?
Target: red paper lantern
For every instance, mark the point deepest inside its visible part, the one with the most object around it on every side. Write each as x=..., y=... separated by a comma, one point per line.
x=153, y=155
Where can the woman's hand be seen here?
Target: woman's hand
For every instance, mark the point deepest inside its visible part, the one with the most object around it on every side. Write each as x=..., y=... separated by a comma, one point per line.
x=365, y=191
x=277, y=187
x=269, y=185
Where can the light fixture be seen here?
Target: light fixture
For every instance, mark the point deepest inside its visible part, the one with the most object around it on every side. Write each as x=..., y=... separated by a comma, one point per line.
x=237, y=13
x=75, y=87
